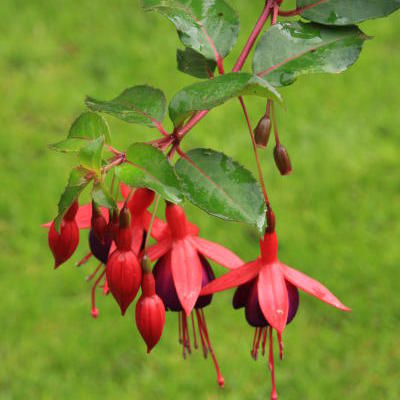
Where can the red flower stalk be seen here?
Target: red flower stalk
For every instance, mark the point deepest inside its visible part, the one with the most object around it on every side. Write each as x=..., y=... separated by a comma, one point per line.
x=64, y=244
x=150, y=312
x=123, y=270
x=268, y=291
x=180, y=273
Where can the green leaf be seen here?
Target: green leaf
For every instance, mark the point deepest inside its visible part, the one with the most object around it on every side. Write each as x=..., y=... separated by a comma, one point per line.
x=192, y=63
x=90, y=156
x=347, y=12
x=214, y=92
x=288, y=50
x=149, y=167
x=87, y=126
x=221, y=187
x=142, y=104
x=77, y=181
x=209, y=27
x=102, y=197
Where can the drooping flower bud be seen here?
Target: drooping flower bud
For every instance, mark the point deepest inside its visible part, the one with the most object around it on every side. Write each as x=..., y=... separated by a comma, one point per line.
x=150, y=312
x=64, y=244
x=282, y=160
x=98, y=223
x=262, y=132
x=123, y=272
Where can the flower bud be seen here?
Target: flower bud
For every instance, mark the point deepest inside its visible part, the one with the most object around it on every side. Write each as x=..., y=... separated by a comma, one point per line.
x=282, y=160
x=64, y=244
x=123, y=271
x=98, y=223
x=150, y=313
x=262, y=132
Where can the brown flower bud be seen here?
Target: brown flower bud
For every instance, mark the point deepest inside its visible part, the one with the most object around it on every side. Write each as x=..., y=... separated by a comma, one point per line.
x=282, y=160
x=262, y=132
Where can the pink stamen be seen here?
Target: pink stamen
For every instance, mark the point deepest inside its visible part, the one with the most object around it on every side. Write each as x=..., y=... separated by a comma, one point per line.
x=203, y=344
x=187, y=335
x=84, y=260
x=257, y=343
x=279, y=335
x=194, y=333
x=274, y=394
x=94, y=273
x=220, y=378
x=254, y=343
x=264, y=340
x=94, y=310
x=180, y=328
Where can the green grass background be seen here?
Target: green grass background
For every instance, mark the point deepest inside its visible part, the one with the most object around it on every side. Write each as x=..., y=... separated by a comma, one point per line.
x=338, y=215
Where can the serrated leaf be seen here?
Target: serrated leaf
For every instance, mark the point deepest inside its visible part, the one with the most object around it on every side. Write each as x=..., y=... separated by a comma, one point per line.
x=288, y=50
x=90, y=155
x=141, y=104
x=346, y=12
x=209, y=27
x=102, y=197
x=221, y=187
x=87, y=126
x=208, y=94
x=77, y=182
x=149, y=167
x=192, y=63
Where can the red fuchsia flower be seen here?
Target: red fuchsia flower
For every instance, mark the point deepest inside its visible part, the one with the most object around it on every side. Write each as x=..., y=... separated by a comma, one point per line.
x=123, y=270
x=267, y=289
x=64, y=244
x=150, y=310
x=180, y=273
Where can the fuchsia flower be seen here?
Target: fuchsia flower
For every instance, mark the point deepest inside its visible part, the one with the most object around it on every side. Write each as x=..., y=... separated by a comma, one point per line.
x=150, y=312
x=123, y=271
x=64, y=244
x=267, y=289
x=180, y=273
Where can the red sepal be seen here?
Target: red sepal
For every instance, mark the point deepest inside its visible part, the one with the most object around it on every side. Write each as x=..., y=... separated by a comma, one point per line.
x=217, y=253
x=312, y=287
x=187, y=273
x=233, y=278
x=159, y=249
x=159, y=228
x=273, y=296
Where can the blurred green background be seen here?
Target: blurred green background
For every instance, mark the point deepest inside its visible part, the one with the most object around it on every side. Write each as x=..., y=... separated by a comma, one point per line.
x=338, y=215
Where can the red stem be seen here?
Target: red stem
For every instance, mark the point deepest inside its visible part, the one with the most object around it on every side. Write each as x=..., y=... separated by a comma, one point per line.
x=253, y=36
x=299, y=10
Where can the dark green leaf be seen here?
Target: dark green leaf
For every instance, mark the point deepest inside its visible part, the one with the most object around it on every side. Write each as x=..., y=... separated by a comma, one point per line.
x=347, y=12
x=288, y=50
x=142, y=104
x=211, y=93
x=87, y=126
x=149, y=167
x=192, y=63
x=102, y=197
x=221, y=187
x=209, y=27
x=77, y=181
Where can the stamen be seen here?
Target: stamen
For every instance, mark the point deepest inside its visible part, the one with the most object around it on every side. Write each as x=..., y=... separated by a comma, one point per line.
x=194, y=332
x=187, y=342
x=183, y=337
x=84, y=260
x=264, y=340
x=94, y=273
x=254, y=344
x=203, y=344
x=106, y=288
x=220, y=378
x=280, y=345
x=274, y=394
x=94, y=310
x=257, y=344
x=180, y=328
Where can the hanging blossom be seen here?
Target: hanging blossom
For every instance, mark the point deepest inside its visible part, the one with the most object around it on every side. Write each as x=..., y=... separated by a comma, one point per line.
x=180, y=273
x=102, y=240
x=267, y=289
